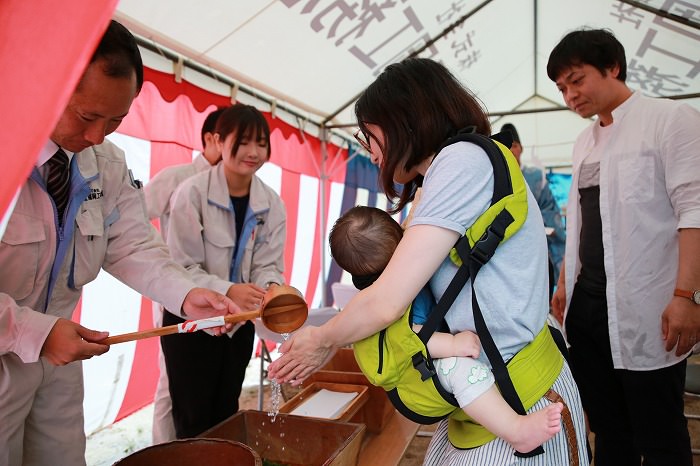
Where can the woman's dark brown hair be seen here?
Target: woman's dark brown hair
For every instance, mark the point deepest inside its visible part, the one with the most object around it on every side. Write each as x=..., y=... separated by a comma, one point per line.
x=418, y=104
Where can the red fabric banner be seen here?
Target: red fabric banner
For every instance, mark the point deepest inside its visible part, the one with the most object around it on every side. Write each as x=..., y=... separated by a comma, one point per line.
x=45, y=49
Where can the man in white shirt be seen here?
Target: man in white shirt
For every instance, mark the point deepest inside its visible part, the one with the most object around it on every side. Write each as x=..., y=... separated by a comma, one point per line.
x=632, y=256
x=158, y=192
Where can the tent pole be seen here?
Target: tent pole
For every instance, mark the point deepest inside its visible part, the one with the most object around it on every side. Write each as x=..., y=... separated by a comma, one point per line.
x=663, y=13
x=322, y=215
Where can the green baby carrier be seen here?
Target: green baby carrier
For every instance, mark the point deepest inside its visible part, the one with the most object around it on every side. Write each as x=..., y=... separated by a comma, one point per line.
x=397, y=358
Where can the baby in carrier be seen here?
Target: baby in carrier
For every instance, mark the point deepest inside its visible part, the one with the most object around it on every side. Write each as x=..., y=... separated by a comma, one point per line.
x=362, y=242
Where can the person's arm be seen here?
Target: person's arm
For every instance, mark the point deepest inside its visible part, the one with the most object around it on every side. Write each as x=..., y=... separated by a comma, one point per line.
x=69, y=341
x=418, y=256
x=444, y=345
x=201, y=303
x=159, y=190
x=680, y=321
x=30, y=334
x=551, y=214
x=137, y=256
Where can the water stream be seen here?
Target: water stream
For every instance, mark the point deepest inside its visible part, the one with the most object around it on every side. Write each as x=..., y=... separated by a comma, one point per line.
x=276, y=393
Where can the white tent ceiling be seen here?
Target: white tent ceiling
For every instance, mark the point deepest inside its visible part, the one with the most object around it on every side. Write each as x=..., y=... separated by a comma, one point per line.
x=315, y=56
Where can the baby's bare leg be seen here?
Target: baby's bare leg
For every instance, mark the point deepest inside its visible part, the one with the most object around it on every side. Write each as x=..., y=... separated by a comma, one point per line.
x=523, y=433
x=473, y=386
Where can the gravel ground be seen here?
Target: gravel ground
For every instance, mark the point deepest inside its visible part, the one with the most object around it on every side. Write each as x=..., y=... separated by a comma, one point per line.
x=133, y=433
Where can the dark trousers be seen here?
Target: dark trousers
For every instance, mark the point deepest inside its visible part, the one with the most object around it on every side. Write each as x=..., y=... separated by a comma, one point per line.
x=550, y=273
x=637, y=416
x=205, y=374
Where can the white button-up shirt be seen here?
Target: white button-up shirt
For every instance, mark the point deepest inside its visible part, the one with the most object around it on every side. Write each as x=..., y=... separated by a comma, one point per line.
x=649, y=188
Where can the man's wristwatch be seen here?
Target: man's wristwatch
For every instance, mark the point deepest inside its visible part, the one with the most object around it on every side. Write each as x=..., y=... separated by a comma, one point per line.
x=694, y=295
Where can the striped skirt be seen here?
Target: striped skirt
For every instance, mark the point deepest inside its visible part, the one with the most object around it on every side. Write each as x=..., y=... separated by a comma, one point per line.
x=499, y=453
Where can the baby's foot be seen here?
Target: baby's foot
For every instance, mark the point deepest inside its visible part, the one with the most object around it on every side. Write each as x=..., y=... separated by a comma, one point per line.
x=536, y=428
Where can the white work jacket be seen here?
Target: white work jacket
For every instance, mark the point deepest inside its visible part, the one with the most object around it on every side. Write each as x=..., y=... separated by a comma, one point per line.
x=160, y=189
x=202, y=234
x=43, y=268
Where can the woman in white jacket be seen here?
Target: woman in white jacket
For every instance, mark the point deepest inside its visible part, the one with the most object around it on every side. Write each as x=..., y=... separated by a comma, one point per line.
x=227, y=228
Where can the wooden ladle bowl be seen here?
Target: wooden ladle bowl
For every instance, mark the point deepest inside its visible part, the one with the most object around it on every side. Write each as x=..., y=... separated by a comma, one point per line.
x=283, y=309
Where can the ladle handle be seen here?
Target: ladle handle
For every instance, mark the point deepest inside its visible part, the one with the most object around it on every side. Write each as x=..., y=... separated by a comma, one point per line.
x=185, y=327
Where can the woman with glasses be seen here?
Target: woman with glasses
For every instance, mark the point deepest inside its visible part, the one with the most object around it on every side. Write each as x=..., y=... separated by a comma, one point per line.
x=405, y=116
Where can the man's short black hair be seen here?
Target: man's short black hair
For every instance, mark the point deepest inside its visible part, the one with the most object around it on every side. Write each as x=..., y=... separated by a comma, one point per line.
x=596, y=47
x=513, y=132
x=119, y=51
x=209, y=125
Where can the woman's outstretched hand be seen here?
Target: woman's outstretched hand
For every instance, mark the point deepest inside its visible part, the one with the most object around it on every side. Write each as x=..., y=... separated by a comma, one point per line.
x=303, y=354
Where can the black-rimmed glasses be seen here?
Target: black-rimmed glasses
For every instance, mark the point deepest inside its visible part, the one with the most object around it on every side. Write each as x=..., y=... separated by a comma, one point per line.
x=363, y=140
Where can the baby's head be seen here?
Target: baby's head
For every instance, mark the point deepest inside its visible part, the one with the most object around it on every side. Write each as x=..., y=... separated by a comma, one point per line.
x=362, y=241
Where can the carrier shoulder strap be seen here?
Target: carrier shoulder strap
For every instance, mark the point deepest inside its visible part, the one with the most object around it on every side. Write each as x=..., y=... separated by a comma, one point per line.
x=473, y=258
x=484, y=248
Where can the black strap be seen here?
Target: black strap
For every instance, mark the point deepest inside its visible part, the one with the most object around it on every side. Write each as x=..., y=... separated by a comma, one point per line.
x=445, y=302
x=502, y=184
x=498, y=365
x=472, y=261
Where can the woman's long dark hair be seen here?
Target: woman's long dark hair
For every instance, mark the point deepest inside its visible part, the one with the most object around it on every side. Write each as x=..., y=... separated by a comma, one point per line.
x=418, y=104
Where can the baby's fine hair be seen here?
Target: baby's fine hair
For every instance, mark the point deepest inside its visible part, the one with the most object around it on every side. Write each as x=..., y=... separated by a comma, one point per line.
x=363, y=239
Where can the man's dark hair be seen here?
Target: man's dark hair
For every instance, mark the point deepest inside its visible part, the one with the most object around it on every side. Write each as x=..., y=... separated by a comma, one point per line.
x=120, y=53
x=596, y=47
x=209, y=125
x=510, y=127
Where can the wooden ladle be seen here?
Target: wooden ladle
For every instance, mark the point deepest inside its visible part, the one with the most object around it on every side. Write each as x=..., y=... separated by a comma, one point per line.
x=283, y=310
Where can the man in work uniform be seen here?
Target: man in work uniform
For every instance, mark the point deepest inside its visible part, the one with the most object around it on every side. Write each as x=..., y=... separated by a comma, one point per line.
x=79, y=211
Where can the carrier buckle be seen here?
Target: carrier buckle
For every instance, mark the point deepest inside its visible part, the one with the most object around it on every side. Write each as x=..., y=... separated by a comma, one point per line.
x=422, y=365
x=484, y=249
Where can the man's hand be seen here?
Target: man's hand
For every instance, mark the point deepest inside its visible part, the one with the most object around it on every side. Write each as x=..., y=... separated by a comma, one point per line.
x=680, y=325
x=201, y=303
x=559, y=303
x=69, y=341
x=248, y=296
